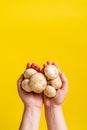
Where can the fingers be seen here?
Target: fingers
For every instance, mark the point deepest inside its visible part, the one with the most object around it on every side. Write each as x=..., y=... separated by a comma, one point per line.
x=55, y=64
x=64, y=82
x=44, y=65
x=42, y=71
x=48, y=62
x=37, y=68
x=34, y=66
x=19, y=82
x=28, y=65
x=52, y=63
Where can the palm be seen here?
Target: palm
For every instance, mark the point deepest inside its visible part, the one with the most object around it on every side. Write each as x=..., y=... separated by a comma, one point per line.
x=57, y=100
x=30, y=98
x=61, y=93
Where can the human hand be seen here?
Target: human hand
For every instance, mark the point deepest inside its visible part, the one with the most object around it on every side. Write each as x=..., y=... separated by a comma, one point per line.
x=30, y=99
x=61, y=93
x=33, y=101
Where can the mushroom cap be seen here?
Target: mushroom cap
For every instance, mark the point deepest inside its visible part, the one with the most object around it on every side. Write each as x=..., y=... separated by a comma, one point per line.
x=51, y=71
x=50, y=91
x=56, y=83
x=29, y=72
x=25, y=85
x=38, y=83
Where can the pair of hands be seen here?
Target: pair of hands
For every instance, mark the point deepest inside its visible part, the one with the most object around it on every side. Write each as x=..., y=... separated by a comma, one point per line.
x=37, y=100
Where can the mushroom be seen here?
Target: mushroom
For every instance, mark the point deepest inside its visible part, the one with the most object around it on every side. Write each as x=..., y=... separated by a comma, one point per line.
x=50, y=91
x=38, y=83
x=29, y=72
x=51, y=71
x=25, y=85
x=56, y=83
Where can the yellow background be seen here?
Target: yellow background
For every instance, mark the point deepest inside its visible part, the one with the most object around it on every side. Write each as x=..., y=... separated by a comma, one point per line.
x=38, y=31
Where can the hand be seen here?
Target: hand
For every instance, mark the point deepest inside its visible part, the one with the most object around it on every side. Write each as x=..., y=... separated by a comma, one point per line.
x=30, y=99
x=61, y=93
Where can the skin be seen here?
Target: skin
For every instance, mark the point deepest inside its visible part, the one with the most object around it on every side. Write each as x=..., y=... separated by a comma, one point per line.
x=61, y=93
x=53, y=107
x=33, y=104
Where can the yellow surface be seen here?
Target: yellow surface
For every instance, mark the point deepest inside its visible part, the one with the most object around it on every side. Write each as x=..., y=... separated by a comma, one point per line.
x=38, y=31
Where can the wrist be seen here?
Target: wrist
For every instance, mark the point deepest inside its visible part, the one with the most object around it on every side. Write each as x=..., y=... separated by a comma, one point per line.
x=31, y=117
x=51, y=110
x=33, y=109
x=55, y=118
x=53, y=106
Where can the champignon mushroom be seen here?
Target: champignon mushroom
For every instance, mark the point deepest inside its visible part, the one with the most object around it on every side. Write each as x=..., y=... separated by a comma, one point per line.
x=38, y=83
x=50, y=91
x=25, y=85
x=56, y=83
x=51, y=71
x=29, y=72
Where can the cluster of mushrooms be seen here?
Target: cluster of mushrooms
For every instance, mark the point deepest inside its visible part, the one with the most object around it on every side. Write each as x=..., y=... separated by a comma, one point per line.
x=47, y=82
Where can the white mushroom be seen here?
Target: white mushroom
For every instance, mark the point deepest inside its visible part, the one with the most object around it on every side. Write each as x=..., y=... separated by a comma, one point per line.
x=25, y=85
x=38, y=83
x=50, y=91
x=51, y=71
x=29, y=72
x=56, y=83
